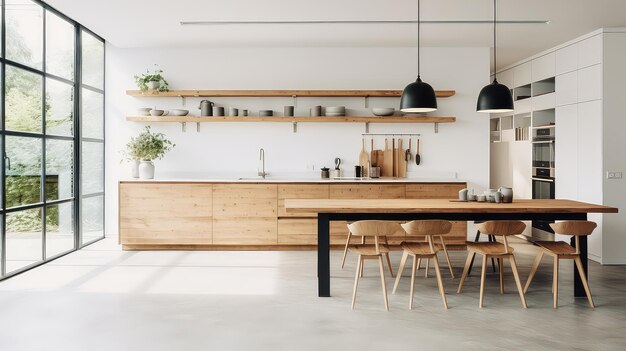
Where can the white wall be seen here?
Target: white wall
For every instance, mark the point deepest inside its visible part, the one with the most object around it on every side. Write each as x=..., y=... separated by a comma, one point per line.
x=460, y=149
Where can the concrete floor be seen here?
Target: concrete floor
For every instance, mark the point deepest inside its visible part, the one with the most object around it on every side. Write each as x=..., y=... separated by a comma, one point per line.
x=102, y=298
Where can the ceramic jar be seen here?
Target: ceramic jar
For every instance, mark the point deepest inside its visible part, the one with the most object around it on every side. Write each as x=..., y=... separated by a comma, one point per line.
x=507, y=194
x=153, y=85
x=146, y=170
x=134, y=170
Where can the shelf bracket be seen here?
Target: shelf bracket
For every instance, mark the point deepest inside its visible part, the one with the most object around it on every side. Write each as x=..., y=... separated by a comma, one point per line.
x=436, y=127
x=295, y=127
x=183, y=126
x=183, y=100
x=367, y=127
x=295, y=101
x=197, y=127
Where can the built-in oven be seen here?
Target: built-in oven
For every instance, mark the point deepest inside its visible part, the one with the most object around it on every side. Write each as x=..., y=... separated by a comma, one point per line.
x=543, y=188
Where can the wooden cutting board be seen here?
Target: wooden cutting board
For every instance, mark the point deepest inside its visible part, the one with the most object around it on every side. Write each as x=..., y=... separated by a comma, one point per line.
x=401, y=160
x=363, y=158
x=387, y=160
x=394, y=146
x=373, y=154
x=380, y=159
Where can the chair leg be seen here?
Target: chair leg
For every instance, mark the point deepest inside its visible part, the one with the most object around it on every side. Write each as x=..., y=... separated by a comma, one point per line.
x=356, y=280
x=492, y=238
x=476, y=239
x=555, y=283
x=345, y=250
x=445, y=251
x=501, y=270
x=419, y=264
x=413, y=269
x=583, y=277
x=361, y=271
x=382, y=280
x=427, y=267
x=389, y=264
x=466, y=268
x=482, y=281
x=405, y=255
x=440, y=282
x=533, y=271
x=517, y=280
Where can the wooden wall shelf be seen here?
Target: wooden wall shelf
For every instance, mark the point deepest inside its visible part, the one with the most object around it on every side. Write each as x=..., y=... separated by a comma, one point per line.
x=318, y=119
x=278, y=93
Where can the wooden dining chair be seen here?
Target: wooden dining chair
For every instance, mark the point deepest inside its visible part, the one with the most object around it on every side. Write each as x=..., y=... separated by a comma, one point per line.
x=497, y=250
x=375, y=229
x=383, y=239
x=561, y=250
x=425, y=250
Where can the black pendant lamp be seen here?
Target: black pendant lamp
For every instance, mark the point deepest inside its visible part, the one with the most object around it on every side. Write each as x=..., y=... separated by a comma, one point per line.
x=495, y=97
x=418, y=96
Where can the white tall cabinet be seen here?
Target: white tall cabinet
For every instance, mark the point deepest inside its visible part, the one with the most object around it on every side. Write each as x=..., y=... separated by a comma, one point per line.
x=589, y=102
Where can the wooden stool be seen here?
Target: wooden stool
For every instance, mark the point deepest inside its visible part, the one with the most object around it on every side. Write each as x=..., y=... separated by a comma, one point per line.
x=374, y=229
x=419, y=250
x=495, y=250
x=384, y=241
x=562, y=250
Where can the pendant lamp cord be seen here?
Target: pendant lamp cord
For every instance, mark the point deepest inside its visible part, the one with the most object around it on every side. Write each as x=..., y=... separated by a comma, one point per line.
x=418, y=38
x=495, y=66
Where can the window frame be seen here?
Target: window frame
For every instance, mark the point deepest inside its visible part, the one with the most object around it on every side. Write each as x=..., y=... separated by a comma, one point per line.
x=76, y=138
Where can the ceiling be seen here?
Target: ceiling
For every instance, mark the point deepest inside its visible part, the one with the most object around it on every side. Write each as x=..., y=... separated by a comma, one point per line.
x=155, y=23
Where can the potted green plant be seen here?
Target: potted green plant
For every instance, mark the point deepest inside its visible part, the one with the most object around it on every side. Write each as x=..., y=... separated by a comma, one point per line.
x=152, y=80
x=147, y=147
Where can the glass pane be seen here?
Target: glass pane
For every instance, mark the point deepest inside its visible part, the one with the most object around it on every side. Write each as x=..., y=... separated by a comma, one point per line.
x=23, y=170
x=59, y=46
x=93, y=114
x=59, y=229
x=24, y=239
x=59, y=108
x=93, y=61
x=24, y=38
x=92, y=180
x=92, y=218
x=59, y=169
x=23, y=100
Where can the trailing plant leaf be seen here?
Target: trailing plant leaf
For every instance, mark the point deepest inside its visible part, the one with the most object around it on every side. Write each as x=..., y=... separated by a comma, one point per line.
x=154, y=76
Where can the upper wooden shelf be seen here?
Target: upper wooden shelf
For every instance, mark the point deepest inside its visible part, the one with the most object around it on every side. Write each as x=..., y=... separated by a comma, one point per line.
x=319, y=119
x=277, y=93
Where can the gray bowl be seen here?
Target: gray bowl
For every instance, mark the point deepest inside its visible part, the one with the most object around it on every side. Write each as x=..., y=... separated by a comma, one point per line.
x=156, y=112
x=178, y=112
x=266, y=113
x=383, y=111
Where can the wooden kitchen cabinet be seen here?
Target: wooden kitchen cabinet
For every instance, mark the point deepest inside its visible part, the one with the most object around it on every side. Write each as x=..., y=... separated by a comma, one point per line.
x=165, y=214
x=297, y=231
x=245, y=214
x=300, y=191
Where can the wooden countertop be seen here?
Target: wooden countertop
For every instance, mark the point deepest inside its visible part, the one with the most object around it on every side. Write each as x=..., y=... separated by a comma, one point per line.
x=440, y=206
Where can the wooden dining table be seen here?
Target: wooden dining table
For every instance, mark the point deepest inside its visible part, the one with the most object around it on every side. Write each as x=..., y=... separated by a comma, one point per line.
x=415, y=209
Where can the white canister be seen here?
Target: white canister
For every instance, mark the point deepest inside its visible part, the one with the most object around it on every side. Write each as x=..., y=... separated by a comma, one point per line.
x=146, y=170
x=153, y=85
x=134, y=170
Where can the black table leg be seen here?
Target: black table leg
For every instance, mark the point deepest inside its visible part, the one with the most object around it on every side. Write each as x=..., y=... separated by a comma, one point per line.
x=579, y=290
x=323, y=255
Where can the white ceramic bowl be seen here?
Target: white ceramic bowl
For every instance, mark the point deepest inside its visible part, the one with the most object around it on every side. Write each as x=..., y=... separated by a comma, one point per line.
x=383, y=111
x=157, y=112
x=144, y=111
x=178, y=112
x=335, y=109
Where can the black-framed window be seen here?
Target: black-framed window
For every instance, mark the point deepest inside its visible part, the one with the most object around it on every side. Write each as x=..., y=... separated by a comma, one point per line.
x=51, y=135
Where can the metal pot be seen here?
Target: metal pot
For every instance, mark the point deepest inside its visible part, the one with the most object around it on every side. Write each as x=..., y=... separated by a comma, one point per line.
x=206, y=108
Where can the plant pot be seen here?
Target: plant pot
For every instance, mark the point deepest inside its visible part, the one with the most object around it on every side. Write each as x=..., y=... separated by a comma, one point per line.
x=146, y=170
x=134, y=164
x=153, y=85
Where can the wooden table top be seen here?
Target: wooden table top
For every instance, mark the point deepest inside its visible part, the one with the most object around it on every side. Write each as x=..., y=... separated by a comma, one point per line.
x=440, y=206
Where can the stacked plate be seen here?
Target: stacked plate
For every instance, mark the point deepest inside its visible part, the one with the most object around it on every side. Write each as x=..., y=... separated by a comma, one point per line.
x=335, y=111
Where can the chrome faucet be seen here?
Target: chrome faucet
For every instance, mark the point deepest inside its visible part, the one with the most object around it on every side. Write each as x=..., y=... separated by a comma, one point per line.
x=262, y=172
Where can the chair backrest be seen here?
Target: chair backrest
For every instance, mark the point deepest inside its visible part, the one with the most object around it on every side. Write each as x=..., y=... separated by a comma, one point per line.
x=427, y=227
x=577, y=228
x=503, y=229
x=375, y=229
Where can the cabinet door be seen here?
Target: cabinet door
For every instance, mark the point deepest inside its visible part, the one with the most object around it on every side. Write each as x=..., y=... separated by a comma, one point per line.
x=590, y=51
x=543, y=67
x=566, y=152
x=300, y=191
x=566, y=88
x=499, y=171
x=165, y=213
x=521, y=168
x=590, y=83
x=567, y=59
x=297, y=231
x=245, y=214
x=523, y=74
x=590, y=167
x=434, y=190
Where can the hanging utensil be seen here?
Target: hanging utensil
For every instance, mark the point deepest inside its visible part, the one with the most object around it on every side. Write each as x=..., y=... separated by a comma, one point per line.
x=418, y=158
x=337, y=163
x=407, y=153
